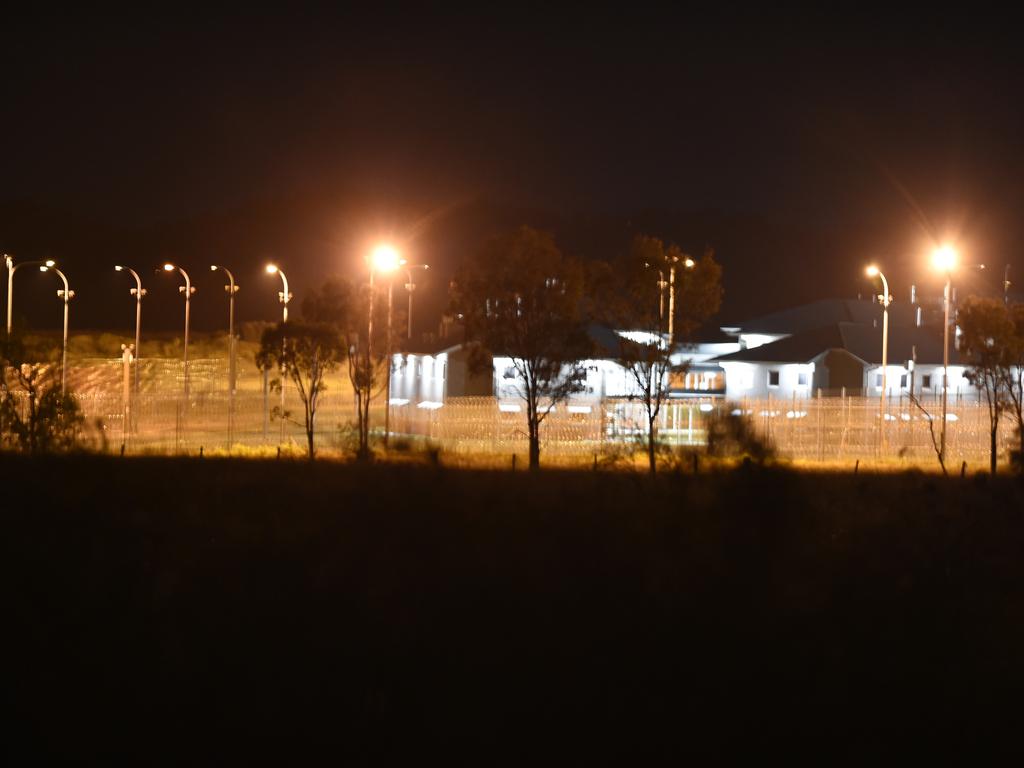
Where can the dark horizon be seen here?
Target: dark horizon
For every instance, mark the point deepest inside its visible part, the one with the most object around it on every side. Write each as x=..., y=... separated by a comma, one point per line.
x=800, y=147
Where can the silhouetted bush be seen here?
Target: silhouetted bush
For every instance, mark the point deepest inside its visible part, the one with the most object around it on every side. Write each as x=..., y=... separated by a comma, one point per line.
x=734, y=436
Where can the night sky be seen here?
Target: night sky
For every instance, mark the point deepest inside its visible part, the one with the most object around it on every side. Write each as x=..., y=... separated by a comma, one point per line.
x=799, y=147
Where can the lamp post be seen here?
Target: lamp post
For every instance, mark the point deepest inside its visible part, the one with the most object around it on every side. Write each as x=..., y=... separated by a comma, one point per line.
x=410, y=287
x=231, y=289
x=66, y=294
x=11, y=269
x=944, y=259
x=385, y=259
x=284, y=296
x=138, y=292
x=873, y=271
x=687, y=263
x=187, y=290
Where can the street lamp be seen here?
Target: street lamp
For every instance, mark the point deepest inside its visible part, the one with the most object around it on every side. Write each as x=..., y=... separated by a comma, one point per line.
x=873, y=271
x=11, y=269
x=138, y=292
x=231, y=289
x=66, y=294
x=410, y=287
x=944, y=259
x=687, y=263
x=384, y=259
x=187, y=290
x=284, y=296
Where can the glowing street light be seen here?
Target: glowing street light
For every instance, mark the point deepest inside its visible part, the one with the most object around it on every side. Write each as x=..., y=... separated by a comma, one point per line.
x=138, y=292
x=944, y=259
x=11, y=269
x=873, y=271
x=187, y=290
x=385, y=259
x=66, y=294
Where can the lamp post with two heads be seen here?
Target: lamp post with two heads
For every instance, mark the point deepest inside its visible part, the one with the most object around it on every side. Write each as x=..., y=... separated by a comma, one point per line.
x=138, y=292
x=66, y=294
x=284, y=296
x=873, y=271
x=410, y=287
x=231, y=289
x=186, y=290
x=385, y=259
x=944, y=259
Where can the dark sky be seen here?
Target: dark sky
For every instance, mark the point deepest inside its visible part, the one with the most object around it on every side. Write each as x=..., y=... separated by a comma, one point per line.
x=800, y=147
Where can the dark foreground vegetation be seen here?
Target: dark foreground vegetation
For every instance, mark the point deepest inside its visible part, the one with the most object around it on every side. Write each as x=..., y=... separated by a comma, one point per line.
x=213, y=611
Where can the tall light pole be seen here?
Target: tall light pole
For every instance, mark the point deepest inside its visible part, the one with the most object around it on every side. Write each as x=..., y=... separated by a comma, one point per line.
x=138, y=292
x=187, y=290
x=944, y=259
x=284, y=296
x=873, y=271
x=385, y=259
x=687, y=263
x=11, y=269
x=410, y=287
x=66, y=294
x=231, y=289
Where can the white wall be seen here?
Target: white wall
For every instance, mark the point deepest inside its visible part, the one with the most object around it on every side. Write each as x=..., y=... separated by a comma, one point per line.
x=927, y=381
x=418, y=378
x=752, y=380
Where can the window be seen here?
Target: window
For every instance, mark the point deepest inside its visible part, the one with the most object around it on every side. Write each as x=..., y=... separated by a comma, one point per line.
x=926, y=381
x=510, y=372
x=903, y=381
x=773, y=378
x=801, y=379
x=878, y=380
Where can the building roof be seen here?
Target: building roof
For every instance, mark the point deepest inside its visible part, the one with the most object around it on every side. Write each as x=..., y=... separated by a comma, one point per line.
x=862, y=341
x=827, y=312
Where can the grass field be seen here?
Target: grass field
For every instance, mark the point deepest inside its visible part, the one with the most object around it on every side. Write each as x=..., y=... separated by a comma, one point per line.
x=219, y=610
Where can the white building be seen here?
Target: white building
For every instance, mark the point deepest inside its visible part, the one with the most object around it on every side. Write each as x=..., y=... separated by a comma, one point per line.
x=825, y=352
x=429, y=379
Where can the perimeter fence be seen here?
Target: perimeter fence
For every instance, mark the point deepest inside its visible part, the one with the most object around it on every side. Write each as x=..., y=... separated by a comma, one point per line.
x=486, y=431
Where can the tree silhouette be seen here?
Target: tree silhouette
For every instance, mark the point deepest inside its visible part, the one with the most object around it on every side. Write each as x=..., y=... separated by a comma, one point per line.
x=520, y=299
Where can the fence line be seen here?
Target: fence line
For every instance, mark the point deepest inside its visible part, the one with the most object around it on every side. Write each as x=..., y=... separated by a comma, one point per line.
x=816, y=429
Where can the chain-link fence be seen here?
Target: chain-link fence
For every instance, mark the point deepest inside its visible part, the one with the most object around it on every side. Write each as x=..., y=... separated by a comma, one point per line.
x=487, y=431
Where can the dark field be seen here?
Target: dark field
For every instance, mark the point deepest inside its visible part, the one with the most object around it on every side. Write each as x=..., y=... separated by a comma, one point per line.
x=221, y=611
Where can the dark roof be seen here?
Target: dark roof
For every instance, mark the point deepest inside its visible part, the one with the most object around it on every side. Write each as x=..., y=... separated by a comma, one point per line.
x=861, y=341
x=819, y=314
x=607, y=343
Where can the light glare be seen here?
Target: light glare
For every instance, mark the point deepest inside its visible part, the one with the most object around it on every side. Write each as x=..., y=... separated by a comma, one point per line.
x=168, y=267
x=944, y=258
x=872, y=271
x=271, y=269
x=385, y=259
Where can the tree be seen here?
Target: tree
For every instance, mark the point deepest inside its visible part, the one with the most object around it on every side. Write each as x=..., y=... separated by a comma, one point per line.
x=635, y=300
x=305, y=353
x=521, y=298
x=338, y=304
x=1013, y=374
x=987, y=341
x=34, y=414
